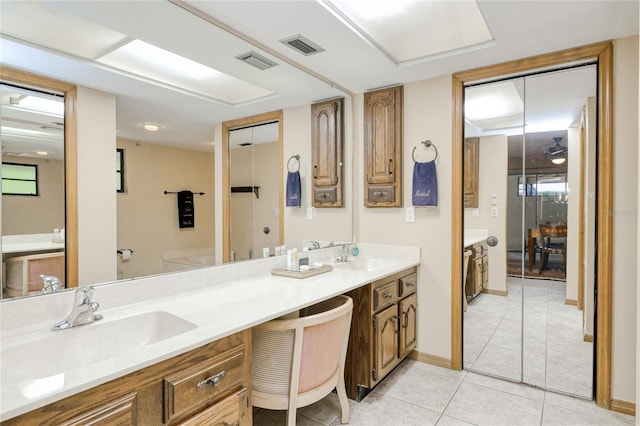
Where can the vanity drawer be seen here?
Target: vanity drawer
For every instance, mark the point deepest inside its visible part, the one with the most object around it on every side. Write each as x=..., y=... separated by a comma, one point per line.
x=191, y=389
x=233, y=410
x=385, y=295
x=325, y=195
x=381, y=194
x=408, y=284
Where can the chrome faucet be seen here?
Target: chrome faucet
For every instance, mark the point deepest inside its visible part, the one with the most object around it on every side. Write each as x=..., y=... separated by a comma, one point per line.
x=50, y=284
x=83, y=311
x=345, y=249
x=314, y=245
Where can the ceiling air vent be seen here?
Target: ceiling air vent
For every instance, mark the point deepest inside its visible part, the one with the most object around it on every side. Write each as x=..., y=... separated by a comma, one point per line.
x=257, y=60
x=302, y=45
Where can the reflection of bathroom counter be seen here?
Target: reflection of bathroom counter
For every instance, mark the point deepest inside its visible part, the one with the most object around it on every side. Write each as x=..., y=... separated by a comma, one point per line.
x=29, y=243
x=470, y=240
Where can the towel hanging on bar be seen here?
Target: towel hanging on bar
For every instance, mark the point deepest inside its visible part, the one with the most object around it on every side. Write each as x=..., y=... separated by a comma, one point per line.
x=425, y=184
x=294, y=189
x=185, y=209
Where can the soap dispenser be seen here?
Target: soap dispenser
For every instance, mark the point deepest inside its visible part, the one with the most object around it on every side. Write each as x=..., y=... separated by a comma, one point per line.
x=354, y=248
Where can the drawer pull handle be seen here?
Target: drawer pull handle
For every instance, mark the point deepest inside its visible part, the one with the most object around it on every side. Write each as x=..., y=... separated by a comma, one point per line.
x=406, y=319
x=390, y=168
x=380, y=193
x=410, y=284
x=212, y=381
x=388, y=295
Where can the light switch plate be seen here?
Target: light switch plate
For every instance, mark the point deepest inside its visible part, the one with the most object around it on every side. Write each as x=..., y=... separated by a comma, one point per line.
x=476, y=213
x=309, y=213
x=410, y=214
x=494, y=211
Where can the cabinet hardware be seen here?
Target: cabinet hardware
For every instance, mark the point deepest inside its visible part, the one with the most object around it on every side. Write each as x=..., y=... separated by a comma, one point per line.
x=390, y=169
x=405, y=314
x=410, y=284
x=388, y=295
x=380, y=193
x=212, y=381
x=398, y=324
x=374, y=374
x=315, y=171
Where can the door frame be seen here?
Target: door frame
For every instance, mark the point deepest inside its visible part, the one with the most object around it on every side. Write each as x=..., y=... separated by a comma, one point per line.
x=226, y=185
x=603, y=53
x=70, y=160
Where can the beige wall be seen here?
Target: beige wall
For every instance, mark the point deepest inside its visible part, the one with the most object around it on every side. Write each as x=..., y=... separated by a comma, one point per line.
x=249, y=214
x=492, y=177
x=427, y=115
x=147, y=219
x=625, y=200
x=96, y=186
x=41, y=214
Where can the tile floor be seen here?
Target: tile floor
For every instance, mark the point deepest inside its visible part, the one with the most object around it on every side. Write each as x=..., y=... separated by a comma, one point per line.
x=497, y=331
x=421, y=394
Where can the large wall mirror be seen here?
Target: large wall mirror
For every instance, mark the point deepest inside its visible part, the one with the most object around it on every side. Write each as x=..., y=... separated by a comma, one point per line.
x=163, y=128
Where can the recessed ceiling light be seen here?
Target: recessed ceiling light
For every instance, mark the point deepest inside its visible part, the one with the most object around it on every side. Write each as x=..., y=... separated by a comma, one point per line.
x=43, y=105
x=558, y=160
x=151, y=127
x=42, y=153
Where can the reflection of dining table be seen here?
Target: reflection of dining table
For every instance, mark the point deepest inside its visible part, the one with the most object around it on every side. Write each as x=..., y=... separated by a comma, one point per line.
x=533, y=234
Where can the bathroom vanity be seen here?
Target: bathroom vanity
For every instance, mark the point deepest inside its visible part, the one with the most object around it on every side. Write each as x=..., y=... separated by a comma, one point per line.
x=171, y=349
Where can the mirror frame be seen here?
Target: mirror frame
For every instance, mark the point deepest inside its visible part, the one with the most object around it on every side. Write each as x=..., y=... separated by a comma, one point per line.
x=603, y=52
x=70, y=160
x=226, y=186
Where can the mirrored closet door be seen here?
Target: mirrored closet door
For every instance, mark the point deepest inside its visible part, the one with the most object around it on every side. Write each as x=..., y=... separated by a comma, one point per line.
x=532, y=320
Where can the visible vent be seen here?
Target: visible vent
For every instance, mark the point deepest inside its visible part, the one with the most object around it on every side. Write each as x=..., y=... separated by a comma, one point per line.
x=257, y=60
x=302, y=45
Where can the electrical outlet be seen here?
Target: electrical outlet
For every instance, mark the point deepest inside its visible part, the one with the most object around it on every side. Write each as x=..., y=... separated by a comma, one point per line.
x=410, y=214
x=309, y=213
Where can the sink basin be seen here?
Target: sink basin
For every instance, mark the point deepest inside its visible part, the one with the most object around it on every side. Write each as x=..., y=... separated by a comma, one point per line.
x=365, y=264
x=62, y=351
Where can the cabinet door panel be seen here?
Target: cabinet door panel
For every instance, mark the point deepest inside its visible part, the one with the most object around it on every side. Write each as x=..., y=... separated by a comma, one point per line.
x=326, y=152
x=386, y=333
x=471, y=171
x=119, y=412
x=233, y=410
x=383, y=147
x=409, y=318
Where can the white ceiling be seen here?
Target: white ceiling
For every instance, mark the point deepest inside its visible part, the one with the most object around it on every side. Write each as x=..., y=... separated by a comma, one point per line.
x=350, y=62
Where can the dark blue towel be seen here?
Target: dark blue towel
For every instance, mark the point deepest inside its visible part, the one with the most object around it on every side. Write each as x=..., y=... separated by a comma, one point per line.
x=294, y=189
x=425, y=184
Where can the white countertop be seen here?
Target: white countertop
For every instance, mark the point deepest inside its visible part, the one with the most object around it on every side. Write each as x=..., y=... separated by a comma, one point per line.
x=31, y=243
x=470, y=240
x=226, y=306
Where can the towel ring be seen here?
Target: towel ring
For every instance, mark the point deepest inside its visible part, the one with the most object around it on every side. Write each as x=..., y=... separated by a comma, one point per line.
x=427, y=144
x=293, y=157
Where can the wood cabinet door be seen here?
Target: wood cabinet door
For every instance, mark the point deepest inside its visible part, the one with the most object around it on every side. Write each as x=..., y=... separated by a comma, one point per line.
x=471, y=166
x=409, y=321
x=386, y=341
x=478, y=275
x=326, y=152
x=383, y=147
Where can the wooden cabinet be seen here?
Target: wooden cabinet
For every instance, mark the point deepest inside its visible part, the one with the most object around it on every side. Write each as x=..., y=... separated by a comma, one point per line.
x=383, y=147
x=383, y=330
x=327, y=152
x=478, y=278
x=471, y=170
x=206, y=386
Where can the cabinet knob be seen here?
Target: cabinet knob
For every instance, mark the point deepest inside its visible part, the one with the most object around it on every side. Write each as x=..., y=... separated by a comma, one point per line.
x=212, y=381
x=388, y=295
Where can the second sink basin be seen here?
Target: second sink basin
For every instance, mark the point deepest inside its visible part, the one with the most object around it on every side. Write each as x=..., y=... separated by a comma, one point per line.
x=83, y=346
x=365, y=264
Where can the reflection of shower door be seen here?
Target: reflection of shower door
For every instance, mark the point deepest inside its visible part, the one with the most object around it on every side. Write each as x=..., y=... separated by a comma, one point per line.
x=534, y=332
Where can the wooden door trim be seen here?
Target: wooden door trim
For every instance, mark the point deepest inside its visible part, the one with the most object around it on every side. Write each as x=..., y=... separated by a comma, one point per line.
x=603, y=53
x=226, y=186
x=70, y=159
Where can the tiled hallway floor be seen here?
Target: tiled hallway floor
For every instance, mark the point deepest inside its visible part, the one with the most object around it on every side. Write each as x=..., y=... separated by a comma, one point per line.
x=421, y=394
x=544, y=340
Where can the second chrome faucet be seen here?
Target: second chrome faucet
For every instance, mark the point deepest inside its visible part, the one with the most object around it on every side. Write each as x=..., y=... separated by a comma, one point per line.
x=83, y=311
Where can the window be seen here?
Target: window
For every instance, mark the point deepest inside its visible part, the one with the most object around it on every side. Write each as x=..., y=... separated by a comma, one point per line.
x=19, y=179
x=120, y=170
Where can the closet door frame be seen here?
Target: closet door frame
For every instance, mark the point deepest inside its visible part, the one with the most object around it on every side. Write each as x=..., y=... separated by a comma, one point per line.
x=603, y=53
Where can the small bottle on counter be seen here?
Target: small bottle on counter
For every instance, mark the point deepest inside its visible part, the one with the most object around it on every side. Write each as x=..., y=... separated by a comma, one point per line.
x=354, y=248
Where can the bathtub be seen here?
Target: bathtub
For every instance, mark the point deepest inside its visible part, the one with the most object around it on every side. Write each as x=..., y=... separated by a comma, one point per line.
x=181, y=260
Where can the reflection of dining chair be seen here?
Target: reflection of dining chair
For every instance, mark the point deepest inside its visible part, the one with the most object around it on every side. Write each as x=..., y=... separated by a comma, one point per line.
x=296, y=362
x=465, y=269
x=554, y=241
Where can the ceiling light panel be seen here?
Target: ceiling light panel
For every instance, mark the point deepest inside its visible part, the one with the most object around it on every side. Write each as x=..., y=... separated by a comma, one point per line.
x=492, y=101
x=140, y=58
x=39, y=23
x=408, y=30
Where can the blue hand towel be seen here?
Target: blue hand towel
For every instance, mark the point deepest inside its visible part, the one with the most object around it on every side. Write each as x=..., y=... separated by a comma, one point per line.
x=425, y=184
x=294, y=189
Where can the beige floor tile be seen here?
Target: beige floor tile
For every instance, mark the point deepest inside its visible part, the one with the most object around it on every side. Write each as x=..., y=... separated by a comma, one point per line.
x=262, y=417
x=450, y=421
x=325, y=411
x=481, y=405
x=588, y=408
x=505, y=386
x=382, y=410
x=560, y=416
